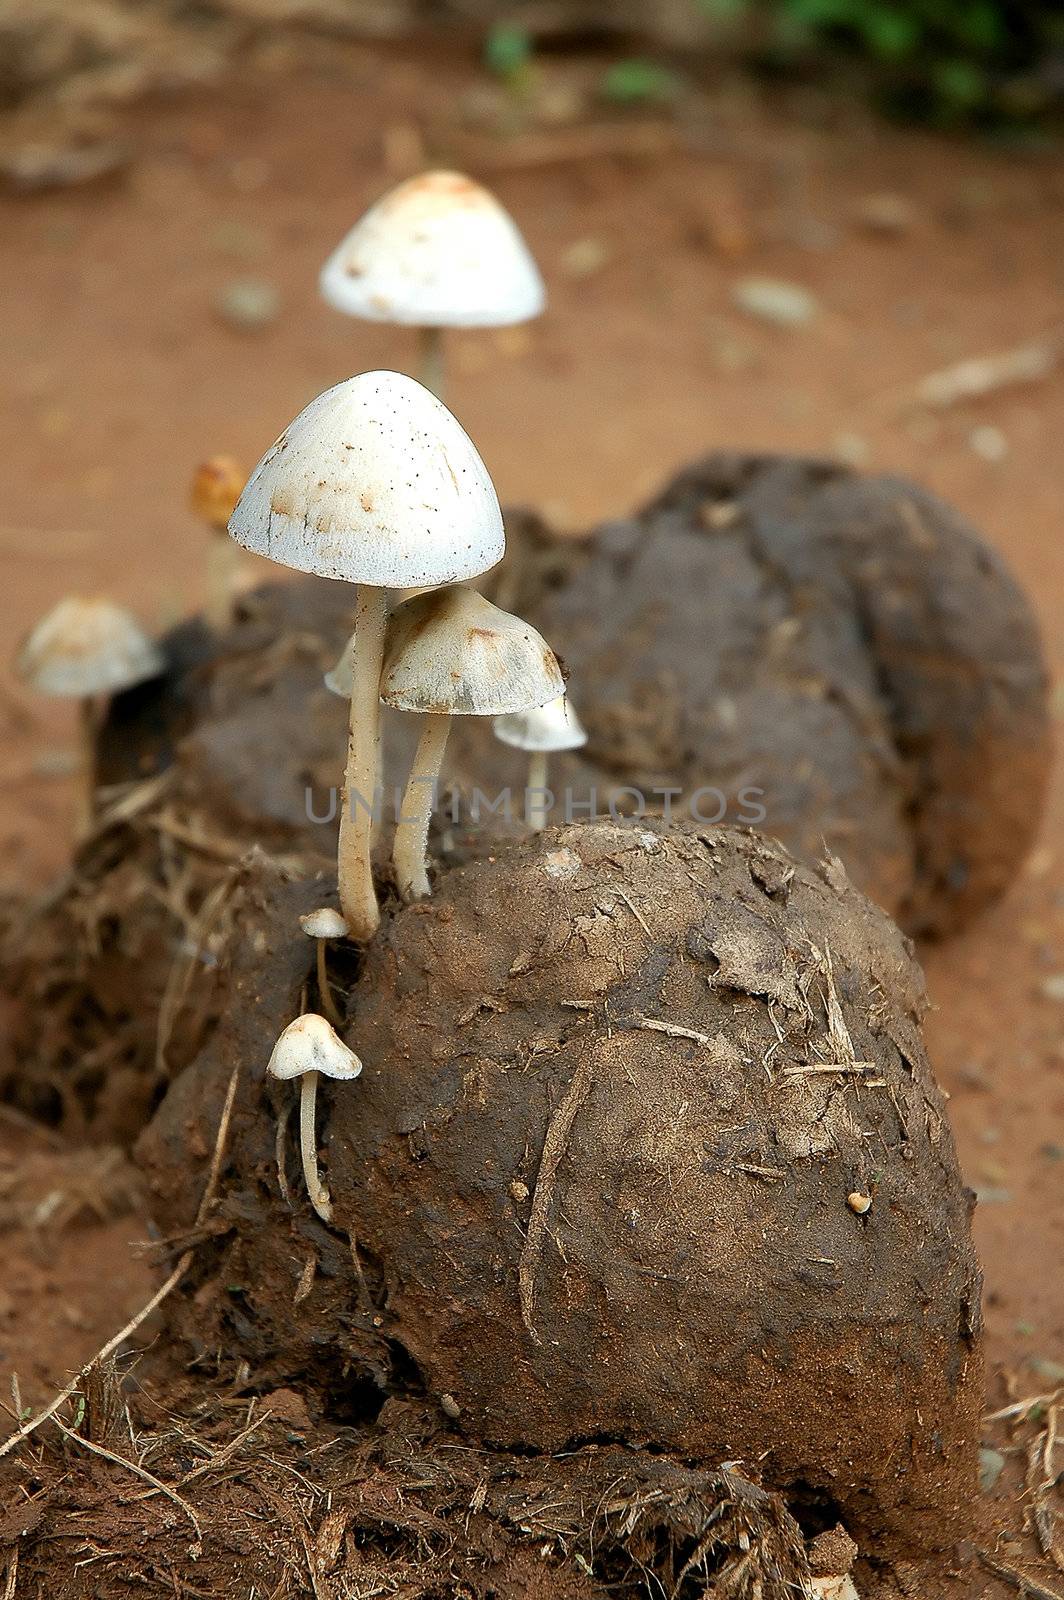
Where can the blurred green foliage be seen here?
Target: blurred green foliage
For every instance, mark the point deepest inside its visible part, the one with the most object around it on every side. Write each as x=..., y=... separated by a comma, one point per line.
x=946, y=61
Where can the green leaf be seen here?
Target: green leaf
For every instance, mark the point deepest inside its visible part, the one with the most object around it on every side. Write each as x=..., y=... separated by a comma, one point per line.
x=638, y=82
x=507, y=50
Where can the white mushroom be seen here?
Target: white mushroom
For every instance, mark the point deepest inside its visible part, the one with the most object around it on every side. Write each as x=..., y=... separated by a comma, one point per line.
x=436, y=252
x=452, y=653
x=308, y=1049
x=83, y=649
x=321, y=926
x=540, y=731
x=213, y=494
x=377, y=484
x=841, y=1588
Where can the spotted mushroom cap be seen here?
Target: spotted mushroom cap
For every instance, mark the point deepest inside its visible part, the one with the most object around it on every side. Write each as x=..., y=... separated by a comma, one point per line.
x=374, y=482
x=554, y=726
x=452, y=652
x=311, y=1044
x=85, y=647
x=438, y=251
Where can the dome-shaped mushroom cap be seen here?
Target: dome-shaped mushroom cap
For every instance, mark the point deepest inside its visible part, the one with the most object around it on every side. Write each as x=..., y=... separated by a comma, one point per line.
x=374, y=482
x=453, y=653
x=85, y=647
x=324, y=923
x=554, y=726
x=310, y=1044
x=439, y=251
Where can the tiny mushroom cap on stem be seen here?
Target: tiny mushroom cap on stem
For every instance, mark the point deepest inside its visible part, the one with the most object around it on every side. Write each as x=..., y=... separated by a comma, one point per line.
x=81, y=649
x=540, y=731
x=321, y=926
x=213, y=494
x=308, y=1049
x=436, y=252
x=374, y=483
x=452, y=653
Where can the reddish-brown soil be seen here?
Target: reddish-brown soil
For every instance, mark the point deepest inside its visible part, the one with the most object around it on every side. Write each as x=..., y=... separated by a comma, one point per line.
x=119, y=377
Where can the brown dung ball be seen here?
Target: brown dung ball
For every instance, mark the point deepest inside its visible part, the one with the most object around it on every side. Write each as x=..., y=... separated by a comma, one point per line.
x=619, y=1085
x=836, y=659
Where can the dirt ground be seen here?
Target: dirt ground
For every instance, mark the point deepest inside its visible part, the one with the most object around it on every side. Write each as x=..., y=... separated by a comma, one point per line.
x=120, y=374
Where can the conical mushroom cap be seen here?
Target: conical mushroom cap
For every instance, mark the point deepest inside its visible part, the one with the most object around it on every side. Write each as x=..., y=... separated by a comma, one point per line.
x=340, y=679
x=554, y=726
x=374, y=482
x=310, y=1044
x=452, y=652
x=86, y=647
x=439, y=251
x=215, y=490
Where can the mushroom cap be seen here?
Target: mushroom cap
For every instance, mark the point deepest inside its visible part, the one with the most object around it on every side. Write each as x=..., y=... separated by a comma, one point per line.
x=324, y=923
x=438, y=251
x=215, y=490
x=340, y=679
x=453, y=653
x=554, y=726
x=374, y=482
x=310, y=1044
x=85, y=647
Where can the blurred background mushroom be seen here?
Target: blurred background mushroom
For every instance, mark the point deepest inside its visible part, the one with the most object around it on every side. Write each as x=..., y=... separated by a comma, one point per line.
x=83, y=650
x=437, y=252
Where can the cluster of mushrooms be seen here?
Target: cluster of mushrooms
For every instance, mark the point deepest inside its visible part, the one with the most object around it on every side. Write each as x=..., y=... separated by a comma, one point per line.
x=376, y=484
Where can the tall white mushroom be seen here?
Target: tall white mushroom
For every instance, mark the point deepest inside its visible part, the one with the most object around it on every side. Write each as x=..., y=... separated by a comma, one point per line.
x=436, y=252
x=82, y=649
x=309, y=1049
x=452, y=653
x=374, y=483
x=541, y=731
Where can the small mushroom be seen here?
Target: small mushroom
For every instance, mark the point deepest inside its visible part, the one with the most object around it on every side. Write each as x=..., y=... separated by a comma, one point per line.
x=85, y=648
x=321, y=926
x=377, y=484
x=308, y=1049
x=452, y=653
x=436, y=252
x=541, y=730
x=838, y=1588
x=213, y=494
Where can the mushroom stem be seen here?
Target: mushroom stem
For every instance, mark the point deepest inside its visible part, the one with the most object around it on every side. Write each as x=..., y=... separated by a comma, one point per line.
x=412, y=828
x=358, y=900
x=85, y=814
x=308, y=1145
x=537, y=787
x=325, y=994
x=432, y=363
x=223, y=566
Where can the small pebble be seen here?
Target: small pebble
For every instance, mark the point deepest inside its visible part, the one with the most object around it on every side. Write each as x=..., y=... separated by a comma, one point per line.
x=859, y=1203
x=248, y=304
x=787, y=305
x=988, y=443
x=991, y=1466
x=885, y=213
x=449, y=1406
x=585, y=258
x=851, y=449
